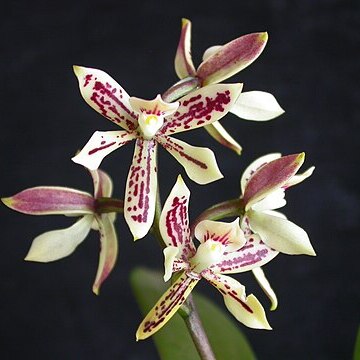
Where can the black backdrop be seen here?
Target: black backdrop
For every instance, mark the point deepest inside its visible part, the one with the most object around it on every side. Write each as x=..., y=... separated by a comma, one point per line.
x=310, y=64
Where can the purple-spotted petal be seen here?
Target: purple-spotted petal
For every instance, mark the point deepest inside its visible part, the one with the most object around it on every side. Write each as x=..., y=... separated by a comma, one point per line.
x=217, y=131
x=172, y=263
x=184, y=66
x=108, y=250
x=265, y=285
x=199, y=163
x=257, y=106
x=253, y=254
x=174, y=220
x=106, y=96
x=141, y=186
x=167, y=306
x=156, y=106
x=245, y=309
x=271, y=177
x=232, y=58
x=280, y=234
x=57, y=244
x=102, y=183
x=228, y=234
x=101, y=144
x=50, y=200
x=202, y=107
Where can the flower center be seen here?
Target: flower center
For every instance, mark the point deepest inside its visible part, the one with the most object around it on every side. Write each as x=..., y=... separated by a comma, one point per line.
x=208, y=253
x=150, y=124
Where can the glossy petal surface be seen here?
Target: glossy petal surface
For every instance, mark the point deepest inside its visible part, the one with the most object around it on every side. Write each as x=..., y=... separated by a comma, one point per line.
x=106, y=96
x=202, y=107
x=57, y=244
x=245, y=309
x=257, y=106
x=265, y=285
x=50, y=200
x=184, y=66
x=174, y=220
x=100, y=145
x=108, y=250
x=141, y=187
x=280, y=234
x=270, y=177
x=232, y=58
x=199, y=163
x=253, y=254
x=166, y=307
x=218, y=132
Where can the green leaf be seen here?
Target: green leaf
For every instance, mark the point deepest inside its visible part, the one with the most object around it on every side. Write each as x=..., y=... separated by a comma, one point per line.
x=357, y=346
x=173, y=342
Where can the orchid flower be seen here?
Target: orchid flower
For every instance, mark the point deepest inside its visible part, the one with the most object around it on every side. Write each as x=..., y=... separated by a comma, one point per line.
x=263, y=186
x=223, y=249
x=221, y=62
x=150, y=122
x=57, y=244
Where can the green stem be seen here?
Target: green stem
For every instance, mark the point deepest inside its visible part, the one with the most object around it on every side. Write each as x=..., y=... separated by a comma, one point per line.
x=108, y=205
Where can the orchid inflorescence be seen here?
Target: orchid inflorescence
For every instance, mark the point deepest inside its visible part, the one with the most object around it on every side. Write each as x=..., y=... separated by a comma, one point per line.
x=256, y=236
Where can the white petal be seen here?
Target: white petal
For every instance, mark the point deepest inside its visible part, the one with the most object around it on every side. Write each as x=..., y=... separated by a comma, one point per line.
x=99, y=145
x=57, y=244
x=170, y=254
x=265, y=285
x=256, y=105
x=198, y=162
x=102, y=183
x=210, y=51
x=141, y=187
x=280, y=234
x=255, y=165
x=106, y=96
x=246, y=309
x=274, y=200
x=298, y=178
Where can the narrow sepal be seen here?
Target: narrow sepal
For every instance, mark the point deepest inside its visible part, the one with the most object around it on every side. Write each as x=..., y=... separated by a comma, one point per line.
x=106, y=96
x=57, y=244
x=298, y=178
x=202, y=107
x=246, y=309
x=270, y=177
x=232, y=58
x=253, y=254
x=183, y=61
x=172, y=263
x=101, y=144
x=218, y=132
x=167, y=306
x=199, y=163
x=174, y=220
x=265, y=285
x=103, y=185
x=50, y=200
x=108, y=250
x=280, y=234
x=141, y=186
x=257, y=106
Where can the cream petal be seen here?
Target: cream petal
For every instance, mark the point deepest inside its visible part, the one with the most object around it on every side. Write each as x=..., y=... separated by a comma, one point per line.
x=174, y=220
x=274, y=200
x=141, y=187
x=166, y=307
x=108, y=250
x=254, y=166
x=218, y=132
x=199, y=163
x=253, y=254
x=280, y=234
x=157, y=106
x=99, y=145
x=102, y=183
x=106, y=96
x=257, y=106
x=57, y=244
x=265, y=285
x=298, y=178
x=246, y=309
x=184, y=66
x=51, y=200
x=201, y=107
x=210, y=51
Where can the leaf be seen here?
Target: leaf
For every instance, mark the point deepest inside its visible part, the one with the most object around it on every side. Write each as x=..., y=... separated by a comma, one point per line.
x=173, y=342
x=357, y=346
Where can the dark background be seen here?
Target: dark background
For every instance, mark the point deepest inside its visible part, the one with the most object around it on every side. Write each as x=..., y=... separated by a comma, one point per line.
x=310, y=64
